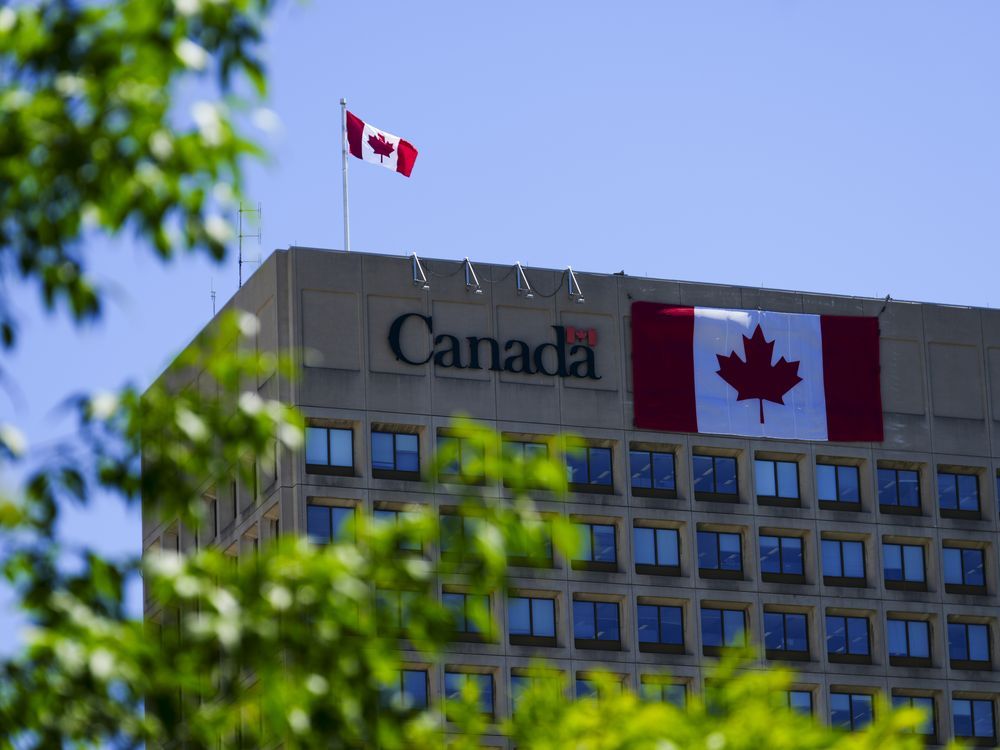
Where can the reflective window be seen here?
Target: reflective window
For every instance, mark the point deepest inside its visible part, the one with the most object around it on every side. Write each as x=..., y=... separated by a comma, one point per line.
x=588, y=688
x=393, y=608
x=838, y=483
x=958, y=491
x=457, y=532
x=533, y=617
x=903, y=562
x=589, y=465
x=521, y=683
x=329, y=447
x=664, y=692
x=851, y=711
x=395, y=452
x=899, y=488
x=719, y=550
x=467, y=611
x=481, y=685
x=800, y=700
x=521, y=453
x=325, y=524
x=408, y=692
x=973, y=717
x=969, y=642
x=908, y=638
x=656, y=547
x=781, y=555
x=392, y=517
x=660, y=624
x=595, y=621
x=786, y=631
x=714, y=476
x=597, y=543
x=652, y=470
x=462, y=456
x=926, y=704
x=847, y=636
x=843, y=559
x=963, y=566
x=777, y=479
x=723, y=627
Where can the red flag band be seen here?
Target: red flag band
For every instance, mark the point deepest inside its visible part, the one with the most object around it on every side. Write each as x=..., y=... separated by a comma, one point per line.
x=370, y=144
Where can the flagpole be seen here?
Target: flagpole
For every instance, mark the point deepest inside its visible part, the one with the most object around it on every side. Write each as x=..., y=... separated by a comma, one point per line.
x=343, y=148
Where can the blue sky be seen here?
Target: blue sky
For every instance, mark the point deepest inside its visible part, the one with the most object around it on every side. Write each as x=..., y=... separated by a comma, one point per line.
x=847, y=147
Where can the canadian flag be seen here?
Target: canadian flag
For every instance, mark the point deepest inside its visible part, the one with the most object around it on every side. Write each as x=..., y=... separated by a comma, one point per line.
x=378, y=147
x=754, y=373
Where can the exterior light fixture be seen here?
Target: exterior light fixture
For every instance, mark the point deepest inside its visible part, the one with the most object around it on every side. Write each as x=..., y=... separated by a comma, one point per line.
x=575, y=292
x=419, y=277
x=523, y=287
x=471, y=280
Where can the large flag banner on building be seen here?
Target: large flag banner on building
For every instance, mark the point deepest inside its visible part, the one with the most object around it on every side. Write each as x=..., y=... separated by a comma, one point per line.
x=379, y=147
x=756, y=373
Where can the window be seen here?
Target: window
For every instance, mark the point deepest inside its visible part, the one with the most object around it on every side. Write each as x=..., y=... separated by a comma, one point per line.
x=781, y=558
x=393, y=609
x=325, y=524
x=721, y=628
x=963, y=570
x=851, y=711
x=926, y=704
x=464, y=456
x=843, y=562
x=588, y=468
x=973, y=718
x=329, y=450
x=786, y=635
x=595, y=625
x=408, y=692
x=534, y=551
x=899, y=490
x=958, y=495
x=481, y=685
x=467, y=613
x=652, y=473
x=800, y=700
x=909, y=642
x=777, y=481
x=522, y=682
x=656, y=551
x=969, y=645
x=395, y=455
x=586, y=688
x=391, y=517
x=521, y=454
x=531, y=621
x=663, y=692
x=661, y=628
x=903, y=565
x=838, y=487
x=715, y=478
x=597, y=549
x=720, y=554
x=847, y=639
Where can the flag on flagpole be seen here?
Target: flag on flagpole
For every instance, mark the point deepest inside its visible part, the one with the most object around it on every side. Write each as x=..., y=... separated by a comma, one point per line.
x=370, y=144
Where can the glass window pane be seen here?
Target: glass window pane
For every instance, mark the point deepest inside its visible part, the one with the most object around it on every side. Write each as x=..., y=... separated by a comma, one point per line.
x=957, y=645
x=774, y=631
x=663, y=471
x=788, y=479
x=857, y=635
x=607, y=621
x=951, y=561
x=836, y=635
x=543, y=614
x=840, y=710
x=649, y=624
x=600, y=466
x=708, y=551
x=854, y=563
x=645, y=553
x=576, y=466
x=826, y=481
x=861, y=711
x=382, y=453
x=341, y=448
x=725, y=475
x=585, y=544
x=704, y=474
x=676, y=694
x=730, y=554
x=972, y=563
x=886, y=479
x=961, y=710
x=892, y=561
x=770, y=560
x=796, y=635
x=920, y=646
x=407, y=453
x=791, y=556
x=800, y=700
x=909, y=488
x=711, y=627
x=519, y=615
x=641, y=471
x=764, y=475
x=849, y=486
x=926, y=704
x=968, y=492
x=415, y=688
x=316, y=445
x=583, y=620
x=604, y=543
x=340, y=519
x=535, y=451
x=318, y=524
x=667, y=547
x=978, y=642
x=733, y=621
x=831, y=558
x=913, y=562
x=947, y=494
x=982, y=718
x=896, y=635
x=671, y=625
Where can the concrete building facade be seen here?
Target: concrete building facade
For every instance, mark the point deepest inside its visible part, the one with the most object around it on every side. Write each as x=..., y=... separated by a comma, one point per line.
x=867, y=567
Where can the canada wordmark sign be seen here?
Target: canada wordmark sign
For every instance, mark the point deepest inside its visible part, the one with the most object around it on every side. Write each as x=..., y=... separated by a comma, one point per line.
x=756, y=373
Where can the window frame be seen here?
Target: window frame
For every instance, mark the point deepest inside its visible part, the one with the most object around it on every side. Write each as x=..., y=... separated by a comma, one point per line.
x=659, y=646
x=650, y=683
x=848, y=657
x=468, y=633
x=958, y=511
x=719, y=572
x=506, y=444
x=335, y=531
x=975, y=739
x=803, y=691
x=770, y=577
x=656, y=568
x=786, y=654
x=904, y=584
x=396, y=513
x=908, y=660
x=604, y=566
x=460, y=474
x=714, y=650
x=590, y=486
x=963, y=587
x=849, y=581
x=853, y=506
x=897, y=508
x=906, y=699
x=596, y=643
x=519, y=639
x=851, y=696
x=970, y=664
x=715, y=495
x=778, y=500
x=328, y=468
x=652, y=490
x=491, y=714
x=400, y=689
x=395, y=473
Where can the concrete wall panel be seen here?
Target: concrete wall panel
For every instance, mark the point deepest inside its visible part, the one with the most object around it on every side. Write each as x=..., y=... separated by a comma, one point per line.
x=331, y=329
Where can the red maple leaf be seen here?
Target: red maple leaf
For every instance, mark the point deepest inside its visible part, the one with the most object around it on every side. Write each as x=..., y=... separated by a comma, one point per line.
x=757, y=377
x=380, y=146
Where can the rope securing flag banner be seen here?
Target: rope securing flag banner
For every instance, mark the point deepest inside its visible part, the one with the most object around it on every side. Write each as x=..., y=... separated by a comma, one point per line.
x=370, y=144
x=756, y=373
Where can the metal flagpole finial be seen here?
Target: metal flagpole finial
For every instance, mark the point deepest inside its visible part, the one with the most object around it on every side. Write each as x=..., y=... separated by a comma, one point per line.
x=343, y=148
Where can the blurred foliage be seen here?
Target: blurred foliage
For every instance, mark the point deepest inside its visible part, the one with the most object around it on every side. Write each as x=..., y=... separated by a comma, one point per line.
x=286, y=645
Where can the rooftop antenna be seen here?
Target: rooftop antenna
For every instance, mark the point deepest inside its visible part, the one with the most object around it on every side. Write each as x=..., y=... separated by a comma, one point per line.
x=523, y=285
x=254, y=215
x=419, y=277
x=575, y=292
x=471, y=279
x=212, y=293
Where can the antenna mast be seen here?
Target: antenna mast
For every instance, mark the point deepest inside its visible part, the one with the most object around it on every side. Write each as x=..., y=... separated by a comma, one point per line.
x=212, y=287
x=253, y=215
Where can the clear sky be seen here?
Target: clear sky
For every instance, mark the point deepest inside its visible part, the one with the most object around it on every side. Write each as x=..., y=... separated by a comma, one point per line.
x=843, y=146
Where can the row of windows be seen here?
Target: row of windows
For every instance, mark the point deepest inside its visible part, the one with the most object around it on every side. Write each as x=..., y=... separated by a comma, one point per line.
x=532, y=621
x=972, y=717
x=653, y=472
x=657, y=551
